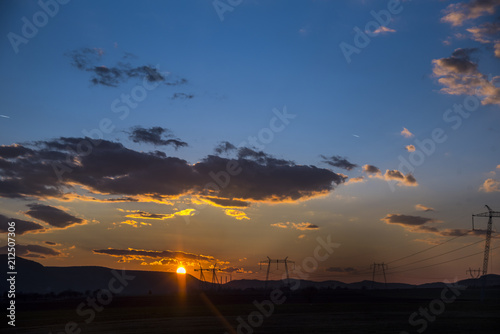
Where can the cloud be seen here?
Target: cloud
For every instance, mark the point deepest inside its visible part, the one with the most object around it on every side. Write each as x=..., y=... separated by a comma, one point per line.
x=139, y=254
x=238, y=214
x=182, y=96
x=86, y=59
x=487, y=32
x=421, y=207
x=224, y=147
x=22, y=226
x=132, y=223
x=458, y=13
x=359, y=179
x=226, y=202
x=410, y=148
x=406, y=220
x=49, y=169
x=401, y=179
x=406, y=133
x=154, y=136
x=370, y=169
x=138, y=214
x=460, y=76
x=51, y=243
x=383, y=30
x=338, y=161
x=298, y=226
x=418, y=224
x=490, y=185
x=53, y=216
x=35, y=251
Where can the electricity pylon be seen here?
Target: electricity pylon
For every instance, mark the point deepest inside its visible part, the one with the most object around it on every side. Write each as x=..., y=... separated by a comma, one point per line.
x=474, y=273
x=278, y=261
x=214, y=269
x=490, y=214
x=383, y=267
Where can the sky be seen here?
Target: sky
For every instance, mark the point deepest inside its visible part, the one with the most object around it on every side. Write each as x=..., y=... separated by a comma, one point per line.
x=156, y=134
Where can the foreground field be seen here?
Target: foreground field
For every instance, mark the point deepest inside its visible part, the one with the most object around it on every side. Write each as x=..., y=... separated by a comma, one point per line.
x=307, y=312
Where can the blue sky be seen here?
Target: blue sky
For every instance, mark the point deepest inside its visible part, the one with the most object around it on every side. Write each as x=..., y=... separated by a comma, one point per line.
x=263, y=57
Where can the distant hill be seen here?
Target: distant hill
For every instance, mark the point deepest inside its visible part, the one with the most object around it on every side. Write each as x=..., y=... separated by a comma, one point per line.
x=32, y=277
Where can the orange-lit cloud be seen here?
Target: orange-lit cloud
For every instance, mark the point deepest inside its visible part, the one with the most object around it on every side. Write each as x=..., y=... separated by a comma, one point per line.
x=458, y=13
x=138, y=214
x=490, y=185
x=406, y=133
x=133, y=223
x=359, y=179
x=410, y=148
x=421, y=207
x=401, y=179
x=383, y=30
x=460, y=76
x=304, y=226
x=131, y=254
x=238, y=214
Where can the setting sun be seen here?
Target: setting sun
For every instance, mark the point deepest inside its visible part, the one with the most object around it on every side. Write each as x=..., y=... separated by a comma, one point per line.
x=181, y=270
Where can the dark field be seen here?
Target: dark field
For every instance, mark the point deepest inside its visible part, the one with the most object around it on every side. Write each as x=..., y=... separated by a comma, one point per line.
x=312, y=311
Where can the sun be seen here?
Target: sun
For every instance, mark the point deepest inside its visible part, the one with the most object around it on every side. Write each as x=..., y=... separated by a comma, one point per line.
x=181, y=270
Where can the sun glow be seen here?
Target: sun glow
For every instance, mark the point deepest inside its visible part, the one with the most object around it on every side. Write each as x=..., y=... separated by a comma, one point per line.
x=181, y=270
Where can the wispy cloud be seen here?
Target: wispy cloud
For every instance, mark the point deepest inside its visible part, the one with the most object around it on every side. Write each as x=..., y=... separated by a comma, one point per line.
x=157, y=136
x=421, y=207
x=304, y=226
x=406, y=133
x=338, y=161
x=238, y=214
x=458, y=13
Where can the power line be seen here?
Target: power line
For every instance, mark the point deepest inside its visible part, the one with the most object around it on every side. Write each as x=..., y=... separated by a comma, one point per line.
x=436, y=264
x=432, y=257
x=425, y=250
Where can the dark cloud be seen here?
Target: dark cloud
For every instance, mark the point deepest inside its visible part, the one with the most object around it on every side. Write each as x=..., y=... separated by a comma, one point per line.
x=22, y=226
x=340, y=269
x=370, y=169
x=182, y=96
x=51, y=243
x=226, y=202
x=155, y=135
x=52, y=216
x=338, y=161
x=109, y=168
x=86, y=59
x=135, y=254
x=406, y=220
x=35, y=251
x=224, y=147
x=460, y=76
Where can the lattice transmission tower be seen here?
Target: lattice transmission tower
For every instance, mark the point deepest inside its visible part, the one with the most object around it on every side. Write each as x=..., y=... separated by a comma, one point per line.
x=490, y=214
